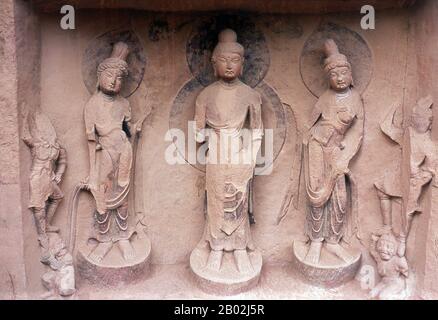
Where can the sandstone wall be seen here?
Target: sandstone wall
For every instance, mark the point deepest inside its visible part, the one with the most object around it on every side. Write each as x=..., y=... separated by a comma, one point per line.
x=172, y=198
x=426, y=48
x=42, y=67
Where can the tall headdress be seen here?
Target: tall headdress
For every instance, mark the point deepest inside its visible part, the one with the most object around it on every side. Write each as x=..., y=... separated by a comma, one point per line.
x=333, y=57
x=228, y=43
x=117, y=60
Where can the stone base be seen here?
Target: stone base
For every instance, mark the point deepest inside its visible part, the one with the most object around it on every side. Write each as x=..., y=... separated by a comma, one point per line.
x=228, y=280
x=331, y=272
x=113, y=270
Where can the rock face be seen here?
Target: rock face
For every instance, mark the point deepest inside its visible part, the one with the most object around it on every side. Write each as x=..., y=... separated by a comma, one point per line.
x=276, y=6
x=46, y=68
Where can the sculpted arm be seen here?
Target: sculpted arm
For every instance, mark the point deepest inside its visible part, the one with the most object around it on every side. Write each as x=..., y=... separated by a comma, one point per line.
x=256, y=125
x=61, y=164
x=354, y=136
x=93, y=144
x=403, y=267
x=133, y=128
x=373, y=246
x=200, y=120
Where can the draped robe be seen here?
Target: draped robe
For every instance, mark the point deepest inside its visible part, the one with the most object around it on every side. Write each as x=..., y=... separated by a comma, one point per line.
x=226, y=108
x=104, y=122
x=333, y=139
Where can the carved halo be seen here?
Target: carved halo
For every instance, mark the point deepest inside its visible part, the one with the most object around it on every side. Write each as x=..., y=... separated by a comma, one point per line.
x=204, y=38
x=100, y=48
x=349, y=42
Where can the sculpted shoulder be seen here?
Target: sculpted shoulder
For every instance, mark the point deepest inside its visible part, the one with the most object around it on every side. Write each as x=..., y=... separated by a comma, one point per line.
x=209, y=90
x=123, y=101
x=91, y=106
x=251, y=94
x=94, y=99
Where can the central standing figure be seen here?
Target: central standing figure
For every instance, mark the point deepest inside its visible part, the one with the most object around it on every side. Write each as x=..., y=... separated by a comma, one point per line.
x=228, y=107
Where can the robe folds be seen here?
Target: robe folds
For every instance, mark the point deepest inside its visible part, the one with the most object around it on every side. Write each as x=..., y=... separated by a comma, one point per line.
x=228, y=109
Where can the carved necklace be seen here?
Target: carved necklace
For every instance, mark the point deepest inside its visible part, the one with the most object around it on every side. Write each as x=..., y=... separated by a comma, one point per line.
x=343, y=95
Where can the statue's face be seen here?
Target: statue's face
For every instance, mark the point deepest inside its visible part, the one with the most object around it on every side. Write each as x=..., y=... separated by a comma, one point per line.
x=340, y=78
x=386, y=249
x=228, y=66
x=110, y=81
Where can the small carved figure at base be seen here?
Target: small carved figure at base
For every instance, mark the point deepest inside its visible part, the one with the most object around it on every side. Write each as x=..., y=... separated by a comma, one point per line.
x=392, y=268
x=60, y=279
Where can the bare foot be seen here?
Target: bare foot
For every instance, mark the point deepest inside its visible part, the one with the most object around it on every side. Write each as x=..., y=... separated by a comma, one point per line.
x=128, y=252
x=215, y=259
x=340, y=252
x=100, y=251
x=242, y=261
x=314, y=252
x=45, y=257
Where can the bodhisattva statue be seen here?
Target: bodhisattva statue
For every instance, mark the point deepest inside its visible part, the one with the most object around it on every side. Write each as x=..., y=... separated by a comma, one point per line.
x=108, y=128
x=334, y=138
x=226, y=107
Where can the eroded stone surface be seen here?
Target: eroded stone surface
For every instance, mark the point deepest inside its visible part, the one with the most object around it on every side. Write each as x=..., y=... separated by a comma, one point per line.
x=171, y=197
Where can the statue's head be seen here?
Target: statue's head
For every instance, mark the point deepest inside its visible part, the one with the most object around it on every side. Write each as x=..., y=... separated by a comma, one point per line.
x=387, y=246
x=111, y=71
x=422, y=115
x=337, y=67
x=228, y=56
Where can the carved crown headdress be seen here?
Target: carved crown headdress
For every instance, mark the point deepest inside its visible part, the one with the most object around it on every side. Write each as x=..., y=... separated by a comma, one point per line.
x=117, y=60
x=333, y=57
x=228, y=43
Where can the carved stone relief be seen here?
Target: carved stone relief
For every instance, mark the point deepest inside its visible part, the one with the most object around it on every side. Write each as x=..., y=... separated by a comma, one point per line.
x=418, y=168
x=334, y=138
x=118, y=249
x=49, y=162
x=226, y=260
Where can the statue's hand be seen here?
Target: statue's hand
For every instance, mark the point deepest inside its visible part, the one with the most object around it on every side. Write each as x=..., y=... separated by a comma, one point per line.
x=85, y=183
x=342, y=165
x=138, y=126
x=57, y=178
